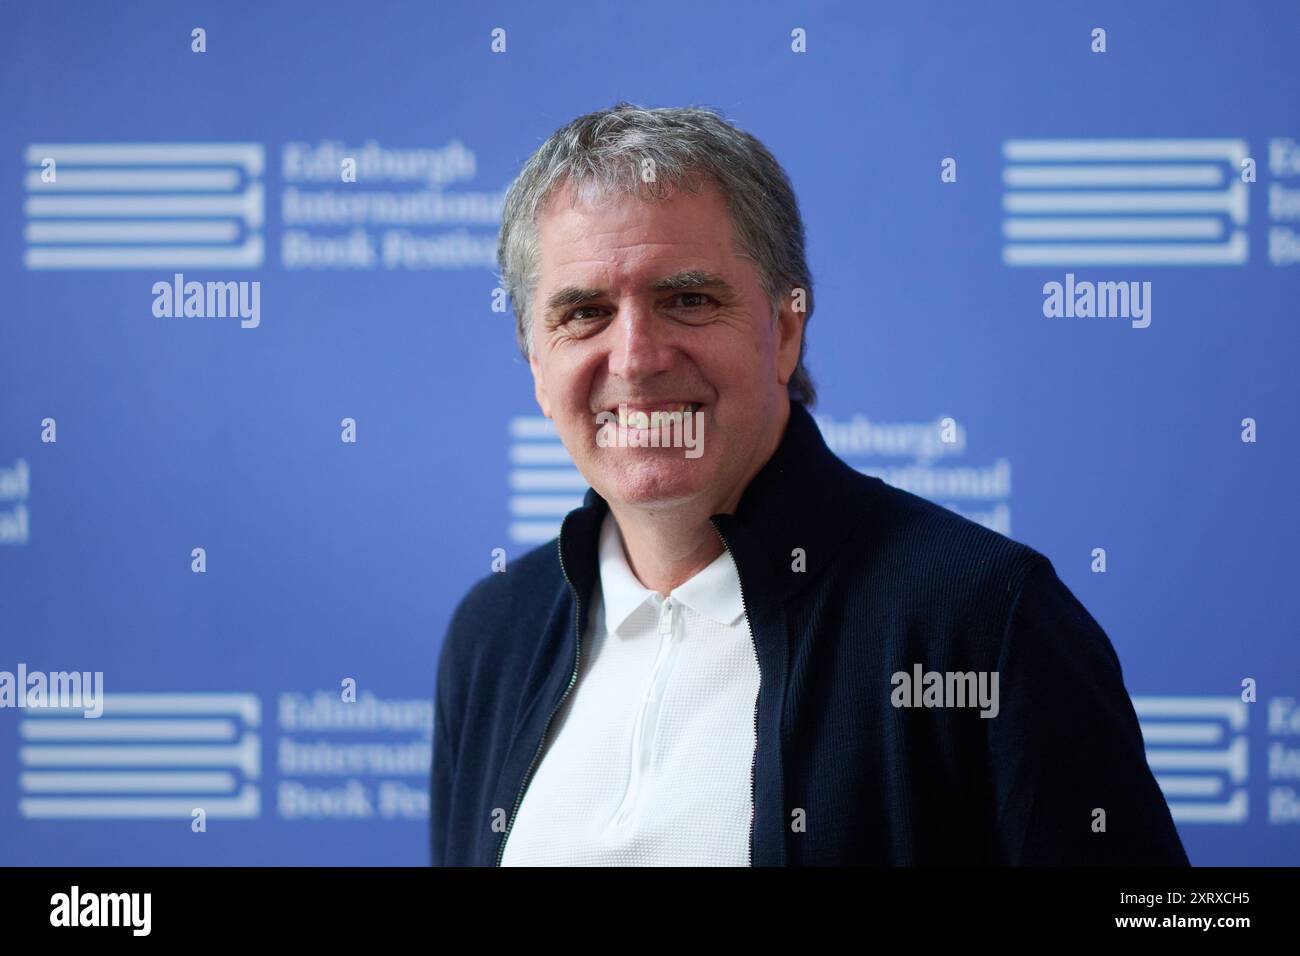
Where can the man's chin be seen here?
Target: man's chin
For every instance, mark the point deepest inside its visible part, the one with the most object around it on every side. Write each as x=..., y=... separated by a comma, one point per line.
x=657, y=478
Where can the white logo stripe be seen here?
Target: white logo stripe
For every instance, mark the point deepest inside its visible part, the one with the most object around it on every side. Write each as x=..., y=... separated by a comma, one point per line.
x=539, y=453
x=127, y=781
x=532, y=426
x=547, y=479
x=1233, y=201
x=250, y=156
x=106, y=729
x=1032, y=176
x=549, y=506
x=1035, y=150
x=246, y=256
x=1231, y=761
x=1182, y=733
x=1191, y=786
x=533, y=532
x=246, y=755
x=248, y=707
x=1234, y=811
x=247, y=804
x=1232, y=253
x=179, y=230
x=1113, y=228
x=1229, y=708
x=246, y=205
x=137, y=180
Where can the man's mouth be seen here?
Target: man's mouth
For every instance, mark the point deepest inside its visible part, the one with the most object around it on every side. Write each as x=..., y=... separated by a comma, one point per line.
x=653, y=416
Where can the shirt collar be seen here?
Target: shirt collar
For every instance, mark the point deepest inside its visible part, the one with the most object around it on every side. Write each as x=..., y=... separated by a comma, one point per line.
x=713, y=592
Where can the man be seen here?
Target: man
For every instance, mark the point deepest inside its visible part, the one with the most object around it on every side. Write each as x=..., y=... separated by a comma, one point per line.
x=749, y=653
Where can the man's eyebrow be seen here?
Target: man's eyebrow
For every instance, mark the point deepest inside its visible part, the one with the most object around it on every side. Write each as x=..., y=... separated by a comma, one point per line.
x=572, y=295
x=569, y=296
x=691, y=279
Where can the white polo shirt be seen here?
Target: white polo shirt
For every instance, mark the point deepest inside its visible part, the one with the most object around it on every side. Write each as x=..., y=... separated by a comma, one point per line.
x=649, y=760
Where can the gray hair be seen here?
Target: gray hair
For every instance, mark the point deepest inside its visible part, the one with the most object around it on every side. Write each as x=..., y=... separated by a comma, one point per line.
x=608, y=149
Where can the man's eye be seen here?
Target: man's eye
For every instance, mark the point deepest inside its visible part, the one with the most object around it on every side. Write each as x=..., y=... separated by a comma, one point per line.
x=580, y=312
x=694, y=300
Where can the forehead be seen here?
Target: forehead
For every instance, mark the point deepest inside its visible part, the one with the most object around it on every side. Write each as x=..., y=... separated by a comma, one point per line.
x=619, y=233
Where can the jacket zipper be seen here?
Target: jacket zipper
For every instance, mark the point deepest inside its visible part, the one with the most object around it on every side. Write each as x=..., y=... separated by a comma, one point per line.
x=573, y=679
x=753, y=765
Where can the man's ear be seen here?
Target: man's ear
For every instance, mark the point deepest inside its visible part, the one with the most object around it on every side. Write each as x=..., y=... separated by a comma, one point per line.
x=789, y=339
x=539, y=386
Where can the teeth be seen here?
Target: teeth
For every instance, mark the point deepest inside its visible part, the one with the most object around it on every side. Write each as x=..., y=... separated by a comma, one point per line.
x=655, y=419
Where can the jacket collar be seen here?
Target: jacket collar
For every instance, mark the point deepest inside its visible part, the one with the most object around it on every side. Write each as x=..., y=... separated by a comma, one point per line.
x=786, y=509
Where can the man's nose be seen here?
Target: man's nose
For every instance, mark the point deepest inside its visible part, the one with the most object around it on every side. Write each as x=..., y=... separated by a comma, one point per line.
x=642, y=345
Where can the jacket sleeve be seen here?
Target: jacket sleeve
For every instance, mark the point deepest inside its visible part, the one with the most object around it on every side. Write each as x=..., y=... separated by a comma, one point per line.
x=440, y=790
x=1066, y=743
x=443, y=773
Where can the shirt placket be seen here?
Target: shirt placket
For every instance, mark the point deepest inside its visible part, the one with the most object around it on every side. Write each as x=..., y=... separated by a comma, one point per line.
x=647, y=718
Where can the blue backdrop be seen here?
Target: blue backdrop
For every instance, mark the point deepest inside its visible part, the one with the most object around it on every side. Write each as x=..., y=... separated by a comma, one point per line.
x=951, y=160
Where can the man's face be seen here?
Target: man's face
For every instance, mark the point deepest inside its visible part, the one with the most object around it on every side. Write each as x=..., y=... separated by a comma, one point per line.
x=608, y=330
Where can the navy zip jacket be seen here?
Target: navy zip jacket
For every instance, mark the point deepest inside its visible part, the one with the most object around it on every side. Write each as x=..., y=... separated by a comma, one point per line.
x=841, y=775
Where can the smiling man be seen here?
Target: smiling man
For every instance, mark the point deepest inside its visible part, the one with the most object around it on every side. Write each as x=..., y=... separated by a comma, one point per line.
x=753, y=655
